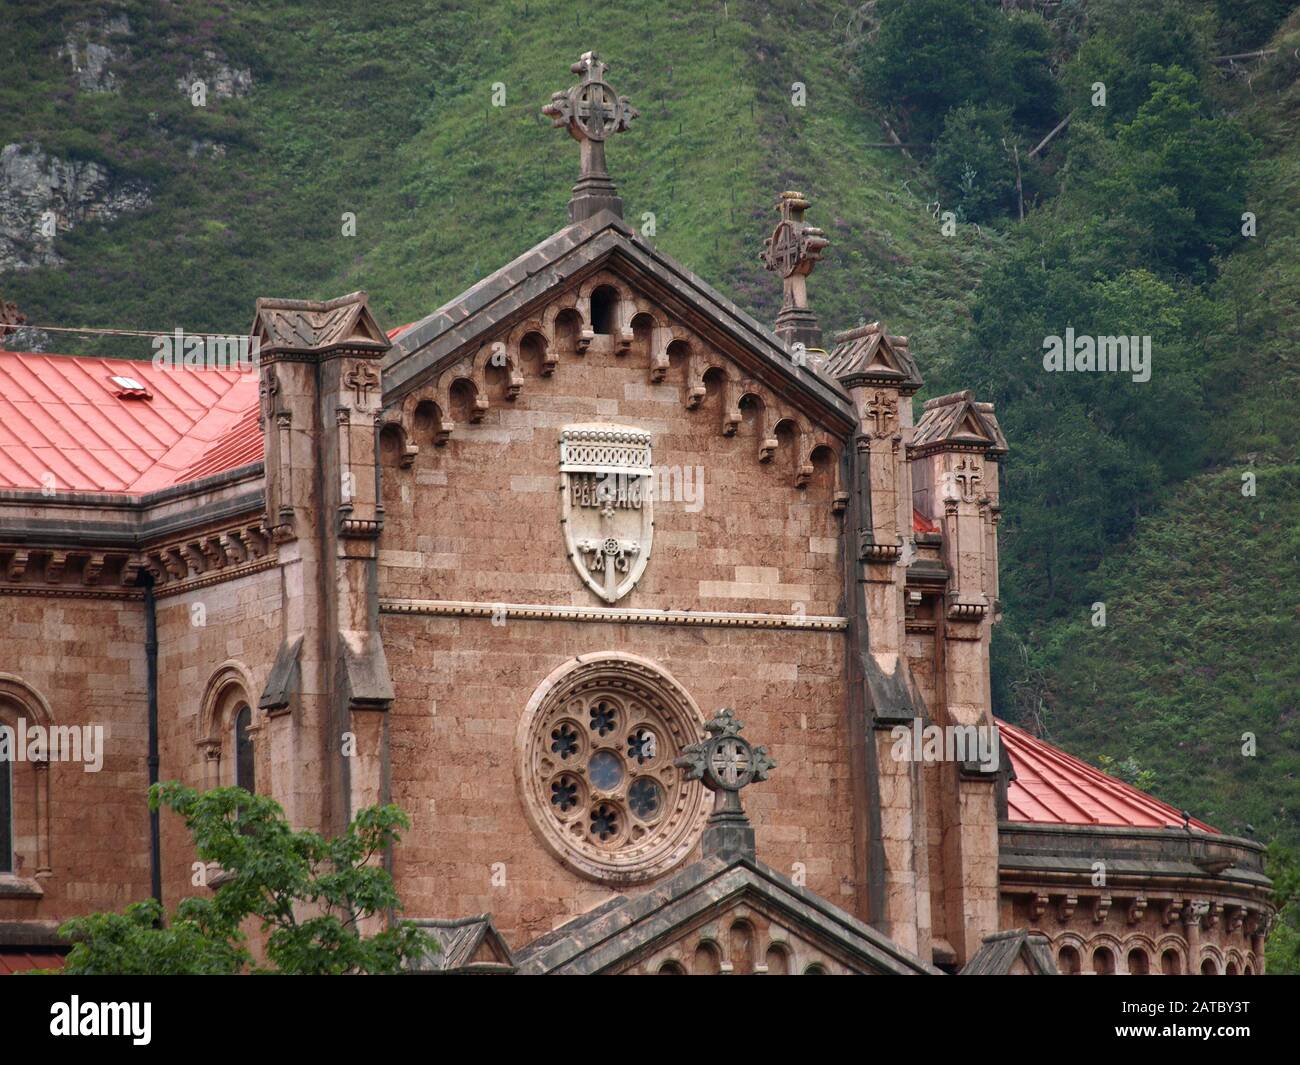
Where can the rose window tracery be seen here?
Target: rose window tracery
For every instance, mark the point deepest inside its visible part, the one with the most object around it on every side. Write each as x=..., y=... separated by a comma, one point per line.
x=598, y=741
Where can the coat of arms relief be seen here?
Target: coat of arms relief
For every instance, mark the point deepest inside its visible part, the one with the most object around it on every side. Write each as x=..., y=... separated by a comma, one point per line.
x=607, y=505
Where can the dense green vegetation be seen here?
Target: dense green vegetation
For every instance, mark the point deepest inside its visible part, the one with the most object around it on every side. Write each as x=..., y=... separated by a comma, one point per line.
x=270, y=876
x=1119, y=492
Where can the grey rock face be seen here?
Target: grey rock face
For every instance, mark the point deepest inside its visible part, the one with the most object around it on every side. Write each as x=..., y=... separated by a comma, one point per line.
x=26, y=338
x=221, y=79
x=90, y=52
x=42, y=196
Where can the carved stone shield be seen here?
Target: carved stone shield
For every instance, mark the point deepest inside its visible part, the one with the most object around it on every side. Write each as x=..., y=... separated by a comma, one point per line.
x=607, y=506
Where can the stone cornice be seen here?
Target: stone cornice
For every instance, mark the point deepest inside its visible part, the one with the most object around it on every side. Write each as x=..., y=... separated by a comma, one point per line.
x=544, y=612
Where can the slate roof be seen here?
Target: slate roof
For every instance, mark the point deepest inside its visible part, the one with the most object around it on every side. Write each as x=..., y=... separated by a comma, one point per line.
x=506, y=294
x=315, y=325
x=868, y=353
x=1051, y=787
x=621, y=927
x=999, y=953
x=469, y=945
x=958, y=419
x=63, y=415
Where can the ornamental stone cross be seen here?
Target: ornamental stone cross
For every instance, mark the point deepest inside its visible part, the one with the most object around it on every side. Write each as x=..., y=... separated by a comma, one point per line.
x=882, y=412
x=968, y=477
x=726, y=762
x=792, y=251
x=591, y=111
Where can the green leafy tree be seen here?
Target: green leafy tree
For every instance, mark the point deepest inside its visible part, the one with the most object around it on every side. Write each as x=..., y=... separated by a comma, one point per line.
x=310, y=895
x=930, y=56
x=1022, y=64
x=1282, y=952
x=973, y=163
x=1126, y=46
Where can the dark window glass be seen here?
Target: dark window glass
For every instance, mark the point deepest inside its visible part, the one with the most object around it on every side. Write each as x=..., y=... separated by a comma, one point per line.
x=244, y=750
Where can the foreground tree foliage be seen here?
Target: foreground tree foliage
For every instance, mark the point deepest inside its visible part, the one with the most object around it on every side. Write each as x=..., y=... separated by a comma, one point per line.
x=309, y=893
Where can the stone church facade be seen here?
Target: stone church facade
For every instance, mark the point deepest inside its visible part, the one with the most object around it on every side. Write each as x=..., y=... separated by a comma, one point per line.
x=505, y=566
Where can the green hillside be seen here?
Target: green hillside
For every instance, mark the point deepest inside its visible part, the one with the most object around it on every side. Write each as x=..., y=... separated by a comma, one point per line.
x=386, y=110
x=1130, y=495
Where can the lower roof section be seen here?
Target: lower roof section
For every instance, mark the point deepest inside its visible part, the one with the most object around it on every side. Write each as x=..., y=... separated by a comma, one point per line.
x=74, y=424
x=1051, y=787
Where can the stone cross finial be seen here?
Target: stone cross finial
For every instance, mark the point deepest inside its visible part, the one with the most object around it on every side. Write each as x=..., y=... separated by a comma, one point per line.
x=726, y=762
x=792, y=251
x=591, y=111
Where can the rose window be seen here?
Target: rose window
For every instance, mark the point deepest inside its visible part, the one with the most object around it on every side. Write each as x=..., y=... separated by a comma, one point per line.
x=598, y=742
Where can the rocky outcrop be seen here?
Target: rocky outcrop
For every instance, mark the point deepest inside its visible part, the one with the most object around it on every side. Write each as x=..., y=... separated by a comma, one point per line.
x=220, y=78
x=90, y=48
x=43, y=196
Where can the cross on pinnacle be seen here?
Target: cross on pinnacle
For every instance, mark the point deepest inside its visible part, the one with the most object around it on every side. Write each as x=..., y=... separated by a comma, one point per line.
x=592, y=111
x=792, y=251
x=726, y=762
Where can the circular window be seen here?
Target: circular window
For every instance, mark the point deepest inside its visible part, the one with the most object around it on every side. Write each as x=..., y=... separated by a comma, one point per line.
x=597, y=743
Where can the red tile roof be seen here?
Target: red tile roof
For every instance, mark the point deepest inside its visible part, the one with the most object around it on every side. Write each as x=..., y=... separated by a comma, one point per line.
x=21, y=961
x=922, y=524
x=1055, y=788
x=62, y=415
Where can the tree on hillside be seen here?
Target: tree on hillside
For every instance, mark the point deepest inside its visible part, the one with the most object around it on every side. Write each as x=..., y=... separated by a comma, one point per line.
x=310, y=894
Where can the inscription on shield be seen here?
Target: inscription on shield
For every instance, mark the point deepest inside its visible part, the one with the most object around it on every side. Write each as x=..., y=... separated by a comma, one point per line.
x=607, y=505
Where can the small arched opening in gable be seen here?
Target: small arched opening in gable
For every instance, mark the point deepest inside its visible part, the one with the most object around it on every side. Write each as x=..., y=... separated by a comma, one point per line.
x=392, y=445
x=604, y=310
x=643, y=331
x=568, y=327
x=532, y=352
x=751, y=413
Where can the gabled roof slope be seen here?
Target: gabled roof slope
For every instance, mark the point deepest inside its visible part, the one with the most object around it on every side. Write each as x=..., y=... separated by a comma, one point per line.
x=1016, y=952
x=869, y=355
x=622, y=928
x=1055, y=788
x=506, y=293
x=958, y=419
x=468, y=945
x=63, y=415
x=316, y=325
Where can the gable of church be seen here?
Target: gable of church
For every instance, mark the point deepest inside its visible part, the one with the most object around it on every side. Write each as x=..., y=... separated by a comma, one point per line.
x=716, y=916
x=597, y=288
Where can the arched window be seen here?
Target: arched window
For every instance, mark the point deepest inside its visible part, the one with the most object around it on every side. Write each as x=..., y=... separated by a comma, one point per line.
x=1138, y=964
x=1169, y=964
x=1208, y=968
x=1103, y=961
x=25, y=786
x=228, y=730
x=1068, y=962
x=245, y=775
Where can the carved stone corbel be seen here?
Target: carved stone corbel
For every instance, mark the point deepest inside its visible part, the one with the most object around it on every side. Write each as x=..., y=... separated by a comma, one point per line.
x=1101, y=908
x=1066, y=907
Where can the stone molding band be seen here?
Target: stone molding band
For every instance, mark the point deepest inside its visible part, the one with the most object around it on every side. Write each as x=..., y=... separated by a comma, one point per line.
x=543, y=612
